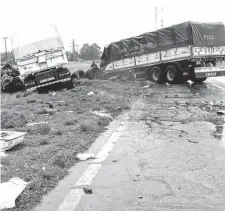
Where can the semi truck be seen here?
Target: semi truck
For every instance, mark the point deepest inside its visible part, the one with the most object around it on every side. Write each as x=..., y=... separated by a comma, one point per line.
x=43, y=63
x=186, y=51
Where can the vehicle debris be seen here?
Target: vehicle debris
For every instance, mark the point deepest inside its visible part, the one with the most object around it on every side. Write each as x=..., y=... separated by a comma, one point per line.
x=10, y=79
x=221, y=112
x=85, y=156
x=91, y=93
x=50, y=105
x=93, y=73
x=9, y=139
x=36, y=123
x=9, y=191
x=102, y=114
x=3, y=154
x=87, y=190
x=195, y=142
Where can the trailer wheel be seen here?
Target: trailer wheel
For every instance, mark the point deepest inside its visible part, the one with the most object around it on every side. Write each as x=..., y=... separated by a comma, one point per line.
x=156, y=75
x=172, y=74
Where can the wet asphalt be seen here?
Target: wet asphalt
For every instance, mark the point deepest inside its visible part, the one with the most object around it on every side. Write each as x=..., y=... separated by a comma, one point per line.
x=170, y=156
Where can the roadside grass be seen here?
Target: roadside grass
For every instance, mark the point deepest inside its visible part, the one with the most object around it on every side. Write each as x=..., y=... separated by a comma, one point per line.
x=50, y=149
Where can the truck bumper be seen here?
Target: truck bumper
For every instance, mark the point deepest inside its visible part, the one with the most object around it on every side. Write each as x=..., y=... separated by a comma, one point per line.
x=50, y=83
x=204, y=72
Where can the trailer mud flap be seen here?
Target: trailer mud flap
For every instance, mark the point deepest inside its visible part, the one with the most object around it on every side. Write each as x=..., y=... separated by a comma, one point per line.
x=204, y=72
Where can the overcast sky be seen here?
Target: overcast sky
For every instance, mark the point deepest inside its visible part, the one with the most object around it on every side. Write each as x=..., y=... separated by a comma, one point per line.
x=102, y=21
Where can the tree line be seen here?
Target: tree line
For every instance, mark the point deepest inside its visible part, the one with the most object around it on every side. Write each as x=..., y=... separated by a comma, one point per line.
x=87, y=52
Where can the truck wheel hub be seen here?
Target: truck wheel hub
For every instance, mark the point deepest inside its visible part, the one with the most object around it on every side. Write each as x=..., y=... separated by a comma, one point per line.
x=156, y=75
x=171, y=74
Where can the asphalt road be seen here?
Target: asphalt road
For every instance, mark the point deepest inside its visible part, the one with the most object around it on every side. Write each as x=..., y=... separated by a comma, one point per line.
x=166, y=153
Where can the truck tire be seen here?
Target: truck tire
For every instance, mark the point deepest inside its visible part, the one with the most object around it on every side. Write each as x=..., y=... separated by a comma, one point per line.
x=156, y=75
x=173, y=75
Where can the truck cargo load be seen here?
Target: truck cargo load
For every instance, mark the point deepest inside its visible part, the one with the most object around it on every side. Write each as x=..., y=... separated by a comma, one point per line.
x=200, y=45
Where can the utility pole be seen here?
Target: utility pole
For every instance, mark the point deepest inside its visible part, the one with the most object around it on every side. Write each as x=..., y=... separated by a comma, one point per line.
x=5, y=38
x=77, y=50
x=156, y=17
x=73, y=43
x=162, y=23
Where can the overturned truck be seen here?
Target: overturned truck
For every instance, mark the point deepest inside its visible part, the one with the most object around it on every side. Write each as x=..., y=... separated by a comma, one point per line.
x=182, y=52
x=42, y=64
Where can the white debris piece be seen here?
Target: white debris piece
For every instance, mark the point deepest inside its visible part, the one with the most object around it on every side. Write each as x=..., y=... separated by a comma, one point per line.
x=85, y=156
x=9, y=191
x=3, y=154
x=90, y=93
x=10, y=139
x=36, y=123
x=102, y=114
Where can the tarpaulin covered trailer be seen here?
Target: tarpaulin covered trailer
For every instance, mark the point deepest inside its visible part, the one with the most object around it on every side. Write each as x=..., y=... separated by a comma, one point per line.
x=179, y=42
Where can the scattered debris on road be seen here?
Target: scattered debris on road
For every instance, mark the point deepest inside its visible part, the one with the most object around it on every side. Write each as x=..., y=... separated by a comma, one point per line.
x=36, y=123
x=221, y=112
x=3, y=154
x=87, y=190
x=86, y=156
x=9, y=191
x=195, y=142
x=102, y=114
x=91, y=93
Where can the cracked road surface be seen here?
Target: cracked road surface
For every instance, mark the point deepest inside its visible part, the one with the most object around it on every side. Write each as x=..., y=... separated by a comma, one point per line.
x=170, y=155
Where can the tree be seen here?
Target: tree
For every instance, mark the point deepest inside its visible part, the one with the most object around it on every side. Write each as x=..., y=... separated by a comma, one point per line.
x=90, y=52
x=10, y=56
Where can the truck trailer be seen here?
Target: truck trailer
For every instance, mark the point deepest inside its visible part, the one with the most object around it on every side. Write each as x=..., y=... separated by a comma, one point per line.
x=42, y=64
x=187, y=51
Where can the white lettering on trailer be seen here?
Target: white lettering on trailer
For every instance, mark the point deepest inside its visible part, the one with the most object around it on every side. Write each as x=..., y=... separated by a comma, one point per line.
x=208, y=37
